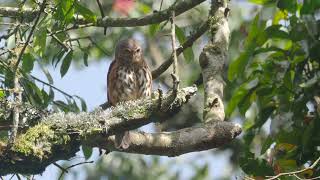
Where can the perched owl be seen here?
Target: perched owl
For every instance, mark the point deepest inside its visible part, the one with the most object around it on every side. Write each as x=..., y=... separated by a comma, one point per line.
x=129, y=78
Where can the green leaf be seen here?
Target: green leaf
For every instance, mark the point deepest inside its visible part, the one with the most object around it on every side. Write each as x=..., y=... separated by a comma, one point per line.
x=39, y=42
x=2, y=94
x=27, y=62
x=153, y=29
x=275, y=31
x=62, y=105
x=46, y=73
x=262, y=2
x=201, y=173
x=310, y=6
x=66, y=63
x=253, y=166
x=289, y=5
x=85, y=58
x=238, y=66
x=87, y=151
x=85, y=12
x=239, y=94
x=255, y=38
x=279, y=15
x=144, y=8
x=83, y=103
x=65, y=10
x=187, y=53
x=267, y=143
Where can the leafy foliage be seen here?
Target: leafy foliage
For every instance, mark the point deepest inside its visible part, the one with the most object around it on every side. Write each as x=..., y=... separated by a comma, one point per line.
x=281, y=56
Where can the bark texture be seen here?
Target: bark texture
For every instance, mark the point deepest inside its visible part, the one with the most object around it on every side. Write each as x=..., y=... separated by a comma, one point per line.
x=212, y=60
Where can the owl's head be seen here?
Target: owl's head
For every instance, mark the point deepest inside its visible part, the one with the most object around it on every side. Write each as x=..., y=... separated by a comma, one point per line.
x=128, y=51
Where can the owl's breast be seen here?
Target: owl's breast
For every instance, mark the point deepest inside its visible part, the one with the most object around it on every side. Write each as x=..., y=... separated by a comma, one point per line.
x=128, y=83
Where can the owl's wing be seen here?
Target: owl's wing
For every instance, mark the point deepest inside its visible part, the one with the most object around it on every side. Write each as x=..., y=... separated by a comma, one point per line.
x=109, y=77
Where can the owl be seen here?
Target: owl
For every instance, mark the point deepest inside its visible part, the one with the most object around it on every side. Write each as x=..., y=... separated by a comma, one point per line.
x=129, y=78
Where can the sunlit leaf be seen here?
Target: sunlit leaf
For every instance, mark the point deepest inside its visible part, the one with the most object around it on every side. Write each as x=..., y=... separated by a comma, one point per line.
x=153, y=29
x=39, y=42
x=262, y=2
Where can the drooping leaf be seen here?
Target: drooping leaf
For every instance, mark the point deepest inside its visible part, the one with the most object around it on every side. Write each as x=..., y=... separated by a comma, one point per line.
x=255, y=38
x=65, y=10
x=254, y=166
x=267, y=143
x=39, y=42
x=239, y=94
x=27, y=62
x=83, y=103
x=87, y=151
x=275, y=31
x=289, y=5
x=85, y=58
x=66, y=63
x=153, y=29
x=187, y=53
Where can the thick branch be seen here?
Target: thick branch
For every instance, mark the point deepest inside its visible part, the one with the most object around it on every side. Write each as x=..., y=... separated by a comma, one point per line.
x=60, y=135
x=208, y=136
x=212, y=60
x=157, y=17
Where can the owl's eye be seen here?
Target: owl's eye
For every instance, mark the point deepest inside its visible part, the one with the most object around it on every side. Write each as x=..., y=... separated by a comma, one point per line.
x=138, y=50
x=127, y=50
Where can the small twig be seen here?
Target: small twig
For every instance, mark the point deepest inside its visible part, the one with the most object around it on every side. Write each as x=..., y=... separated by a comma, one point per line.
x=66, y=169
x=75, y=26
x=42, y=7
x=60, y=167
x=294, y=172
x=318, y=177
x=18, y=177
x=174, y=74
x=77, y=38
x=160, y=5
x=102, y=15
x=188, y=43
x=65, y=47
x=12, y=176
x=50, y=85
x=17, y=98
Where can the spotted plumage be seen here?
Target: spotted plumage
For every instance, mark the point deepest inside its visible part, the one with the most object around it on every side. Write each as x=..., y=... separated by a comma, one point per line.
x=128, y=83
x=129, y=77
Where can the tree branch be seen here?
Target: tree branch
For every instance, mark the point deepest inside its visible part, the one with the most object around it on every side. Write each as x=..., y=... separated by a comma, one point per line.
x=212, y=60
x=295, y=172
x=188, y=43
x=208, y=136
x=59, y=136
x=180, y=7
